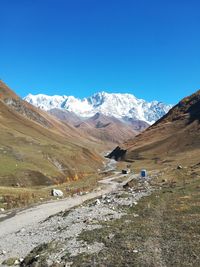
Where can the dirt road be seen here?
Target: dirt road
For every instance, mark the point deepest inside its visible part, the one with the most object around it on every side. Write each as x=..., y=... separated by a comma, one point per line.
x=35, y=226
x=39, y=213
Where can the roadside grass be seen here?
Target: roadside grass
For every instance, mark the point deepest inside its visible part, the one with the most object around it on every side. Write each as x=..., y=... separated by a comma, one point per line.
x=18, y=197
x=166, y=232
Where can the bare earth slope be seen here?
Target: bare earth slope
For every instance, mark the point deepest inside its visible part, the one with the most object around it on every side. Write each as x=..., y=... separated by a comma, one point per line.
x=107, y=129
x=104, y=129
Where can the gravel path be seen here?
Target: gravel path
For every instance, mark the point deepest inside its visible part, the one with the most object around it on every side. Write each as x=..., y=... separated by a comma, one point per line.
x=28, y=221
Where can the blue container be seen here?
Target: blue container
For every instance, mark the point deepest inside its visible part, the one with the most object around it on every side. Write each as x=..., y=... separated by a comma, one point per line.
x=143, y=173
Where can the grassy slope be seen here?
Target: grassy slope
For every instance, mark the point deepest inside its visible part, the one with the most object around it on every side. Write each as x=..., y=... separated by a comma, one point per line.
x=176, y=133
x=31, y=156
x=166, y=232
x=26, y=146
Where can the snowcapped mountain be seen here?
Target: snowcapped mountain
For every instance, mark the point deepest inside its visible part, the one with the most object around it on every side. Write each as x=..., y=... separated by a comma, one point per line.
x=116, y=105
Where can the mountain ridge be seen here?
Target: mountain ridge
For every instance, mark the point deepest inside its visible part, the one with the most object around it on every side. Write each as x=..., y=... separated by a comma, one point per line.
x=110, y=104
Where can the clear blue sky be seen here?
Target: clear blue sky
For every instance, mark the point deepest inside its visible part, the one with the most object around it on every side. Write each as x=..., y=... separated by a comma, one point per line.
x=146, y=47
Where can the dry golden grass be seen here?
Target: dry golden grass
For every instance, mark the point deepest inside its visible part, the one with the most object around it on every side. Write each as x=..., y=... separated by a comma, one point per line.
x=15, y=197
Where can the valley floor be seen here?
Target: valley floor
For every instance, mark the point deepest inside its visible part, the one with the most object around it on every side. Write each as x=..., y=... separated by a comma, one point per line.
x=150, y=223
x=17, y=229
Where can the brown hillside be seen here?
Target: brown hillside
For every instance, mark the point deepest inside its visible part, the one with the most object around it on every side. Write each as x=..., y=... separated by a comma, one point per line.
x=105, y=130
x=37, y=149
x=65, y=116
x=178, y=132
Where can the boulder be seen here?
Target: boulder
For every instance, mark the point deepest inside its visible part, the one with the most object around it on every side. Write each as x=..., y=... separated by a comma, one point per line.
x=56, y=193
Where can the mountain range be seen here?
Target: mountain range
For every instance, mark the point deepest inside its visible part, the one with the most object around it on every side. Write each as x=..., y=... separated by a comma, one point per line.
x=122, y=106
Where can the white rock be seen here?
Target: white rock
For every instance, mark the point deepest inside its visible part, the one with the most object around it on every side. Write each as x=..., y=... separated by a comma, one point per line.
x=57, y=193
x=98, y=202
x=68, y=264
x=3, y=252
x=17, y=262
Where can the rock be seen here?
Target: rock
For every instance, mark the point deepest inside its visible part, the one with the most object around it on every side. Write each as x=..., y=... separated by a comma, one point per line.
x=2, y=209
x=68, y=264
x=135, y=251
x=98, y=202
x=56, y=193
x=179, y=167
x=17, y=262
x=3, y=252
x=110, y=236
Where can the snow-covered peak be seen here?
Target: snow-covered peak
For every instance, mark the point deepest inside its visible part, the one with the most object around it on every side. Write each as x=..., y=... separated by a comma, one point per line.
x=110, y=104
x=45, y=102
